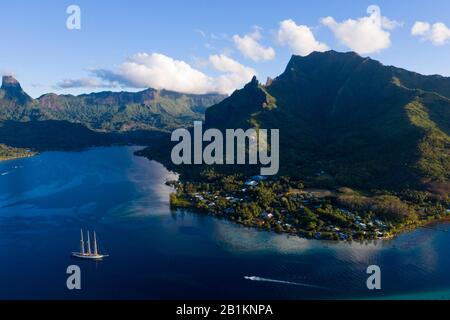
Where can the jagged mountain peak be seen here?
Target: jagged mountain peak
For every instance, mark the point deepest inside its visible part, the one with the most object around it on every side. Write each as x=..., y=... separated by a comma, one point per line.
x=9, y=81
x=13, y=91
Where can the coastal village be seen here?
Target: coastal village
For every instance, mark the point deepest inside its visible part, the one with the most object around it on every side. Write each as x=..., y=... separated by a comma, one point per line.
x=285, y=206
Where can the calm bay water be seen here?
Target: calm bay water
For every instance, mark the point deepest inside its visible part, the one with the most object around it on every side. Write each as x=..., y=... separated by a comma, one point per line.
x=156, y=253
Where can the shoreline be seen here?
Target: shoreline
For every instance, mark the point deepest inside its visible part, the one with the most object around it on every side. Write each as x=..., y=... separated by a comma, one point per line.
x=325, y=211
x=19, y=157
x=195, y=211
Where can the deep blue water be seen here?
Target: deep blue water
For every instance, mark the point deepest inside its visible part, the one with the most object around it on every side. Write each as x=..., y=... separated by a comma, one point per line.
x=159, y=254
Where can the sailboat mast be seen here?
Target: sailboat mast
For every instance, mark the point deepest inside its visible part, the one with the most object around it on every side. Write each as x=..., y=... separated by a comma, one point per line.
x=82, y=242
x=88, y=244
x=95, y=244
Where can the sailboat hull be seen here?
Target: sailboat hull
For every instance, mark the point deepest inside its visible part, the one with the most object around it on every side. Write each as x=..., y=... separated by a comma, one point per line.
x=88, y=256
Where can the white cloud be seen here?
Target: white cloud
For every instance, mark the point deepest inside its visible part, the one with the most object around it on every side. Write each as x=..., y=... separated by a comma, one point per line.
x=158, y=71
x=249, y=46
x=236, y=75
x=299, y=37
x=420, y=28
x=84, y=83
x=438, y=33
x=223, y=63
x=364, y=35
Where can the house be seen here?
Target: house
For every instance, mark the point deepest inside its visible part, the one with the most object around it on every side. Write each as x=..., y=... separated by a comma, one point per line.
x=361, y=225
x=266, y=215
x=251, y=183
x=380, y=224
x=343, y=236
x=199, y=197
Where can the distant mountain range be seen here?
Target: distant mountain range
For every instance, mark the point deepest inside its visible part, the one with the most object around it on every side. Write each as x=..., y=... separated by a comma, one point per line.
x=106, y=111
x=349, y=120
x=63, y=122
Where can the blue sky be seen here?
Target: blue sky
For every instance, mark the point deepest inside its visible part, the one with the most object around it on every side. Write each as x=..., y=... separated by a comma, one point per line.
x=189, y=45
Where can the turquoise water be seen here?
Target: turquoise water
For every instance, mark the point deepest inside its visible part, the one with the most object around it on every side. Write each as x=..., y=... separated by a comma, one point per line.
x=156, y=253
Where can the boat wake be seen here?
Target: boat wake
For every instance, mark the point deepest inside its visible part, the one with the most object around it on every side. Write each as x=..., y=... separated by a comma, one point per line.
x=253, y=278
x=10, y=171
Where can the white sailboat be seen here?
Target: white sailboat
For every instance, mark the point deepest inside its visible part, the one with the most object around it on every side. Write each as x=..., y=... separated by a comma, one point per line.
x=88, y=254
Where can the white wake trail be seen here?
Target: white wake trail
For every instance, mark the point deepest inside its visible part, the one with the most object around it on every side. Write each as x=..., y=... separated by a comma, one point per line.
x=253, y=278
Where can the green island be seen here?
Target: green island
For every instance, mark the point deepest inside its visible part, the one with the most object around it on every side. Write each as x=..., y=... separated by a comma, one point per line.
x=10, y=153
x=284, y=205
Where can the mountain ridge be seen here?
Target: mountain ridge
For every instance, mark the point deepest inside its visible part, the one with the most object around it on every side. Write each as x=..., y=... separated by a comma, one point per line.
x=363, y=123
x=149, y=109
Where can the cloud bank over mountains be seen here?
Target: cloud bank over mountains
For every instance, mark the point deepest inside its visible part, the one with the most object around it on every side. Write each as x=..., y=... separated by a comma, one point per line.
x=158, y=71
x=222, y=73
